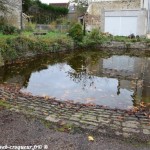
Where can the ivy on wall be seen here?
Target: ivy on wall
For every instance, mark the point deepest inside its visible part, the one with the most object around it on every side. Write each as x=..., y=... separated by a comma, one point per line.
x=43, y=13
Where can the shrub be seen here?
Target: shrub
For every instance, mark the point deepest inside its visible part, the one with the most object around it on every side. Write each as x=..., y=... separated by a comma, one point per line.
x=30, y=27
x=93, y=38
x=95, y=35
x=76, y=32
x=8, y=29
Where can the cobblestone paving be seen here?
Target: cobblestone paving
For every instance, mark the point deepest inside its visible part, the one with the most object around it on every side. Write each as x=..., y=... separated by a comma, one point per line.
x=95, y=118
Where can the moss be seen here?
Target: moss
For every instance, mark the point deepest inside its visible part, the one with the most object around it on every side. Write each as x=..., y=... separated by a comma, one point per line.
x=65, y=128
x=4, y=104
x=46, y=123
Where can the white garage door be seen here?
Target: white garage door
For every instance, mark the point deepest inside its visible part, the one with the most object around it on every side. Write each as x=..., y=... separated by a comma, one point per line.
x=121, y=25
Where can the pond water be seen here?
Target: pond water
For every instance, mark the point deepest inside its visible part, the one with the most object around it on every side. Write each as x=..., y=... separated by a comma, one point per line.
x=116, y=81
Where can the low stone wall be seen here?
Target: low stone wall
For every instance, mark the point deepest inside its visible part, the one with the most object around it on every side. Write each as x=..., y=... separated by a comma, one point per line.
x=126, y=45
x=140, y=47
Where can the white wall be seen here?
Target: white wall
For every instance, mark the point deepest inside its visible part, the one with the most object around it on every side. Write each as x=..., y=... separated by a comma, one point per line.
x=125, y=22
x=145, y=4
x=121, y=25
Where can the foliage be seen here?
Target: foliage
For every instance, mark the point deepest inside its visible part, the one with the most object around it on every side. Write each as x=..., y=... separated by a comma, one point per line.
x=76, y=32
x=94, y=35
x=62, y=21
x=81, y=10
x=43, y=13
x=125, y=39
x=4, y=104
x=8, y=29
x=30, y=27
x=93, y=38
x=26, y=5
x=19, y=46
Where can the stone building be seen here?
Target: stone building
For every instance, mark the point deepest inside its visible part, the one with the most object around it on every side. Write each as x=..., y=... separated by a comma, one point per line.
x=62, y=5
x=114, y=16
x=13, y=15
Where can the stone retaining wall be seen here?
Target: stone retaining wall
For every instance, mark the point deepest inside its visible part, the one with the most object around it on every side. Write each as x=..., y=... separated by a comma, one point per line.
x=109, y=46
x=13, y=13
x=126, y=45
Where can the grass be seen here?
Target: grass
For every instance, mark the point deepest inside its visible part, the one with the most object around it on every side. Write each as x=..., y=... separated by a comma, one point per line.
x=57, y=35
x=13, y=47
x=27, y=34
x=128, y=40
x=51, y=37
x=4, y=104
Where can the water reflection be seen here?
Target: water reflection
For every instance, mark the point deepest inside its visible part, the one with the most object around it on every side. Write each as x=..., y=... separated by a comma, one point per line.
x=86, y=77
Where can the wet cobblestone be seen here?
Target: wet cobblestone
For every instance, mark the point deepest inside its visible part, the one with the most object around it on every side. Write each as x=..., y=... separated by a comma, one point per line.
x=100, y=119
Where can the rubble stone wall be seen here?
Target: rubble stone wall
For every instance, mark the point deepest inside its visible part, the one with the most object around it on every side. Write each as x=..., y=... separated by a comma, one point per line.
x=13, y=13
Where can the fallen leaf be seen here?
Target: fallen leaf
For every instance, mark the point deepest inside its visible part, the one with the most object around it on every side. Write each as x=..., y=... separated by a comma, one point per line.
x=142, y=104
x=45, y=114
x=120, y=117
x=135, y=109
x=46, y=97
x=90, y=138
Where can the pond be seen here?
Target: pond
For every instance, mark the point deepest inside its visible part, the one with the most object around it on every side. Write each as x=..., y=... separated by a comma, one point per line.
x=116, y=81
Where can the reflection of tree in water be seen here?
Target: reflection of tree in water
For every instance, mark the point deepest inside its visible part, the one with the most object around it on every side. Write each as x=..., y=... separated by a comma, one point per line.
x=24, y=70
x=77, y=62
x=82, y=77
x=80, y=73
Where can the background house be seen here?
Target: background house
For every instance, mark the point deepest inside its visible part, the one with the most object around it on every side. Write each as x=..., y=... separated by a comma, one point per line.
x=72, y=14
x=119, y=17
x=64, y=5
x=13, y=15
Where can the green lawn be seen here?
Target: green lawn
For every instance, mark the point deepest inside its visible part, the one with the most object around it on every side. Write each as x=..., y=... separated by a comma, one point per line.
x=48, y=35
x=58, y=35
x=15, y=46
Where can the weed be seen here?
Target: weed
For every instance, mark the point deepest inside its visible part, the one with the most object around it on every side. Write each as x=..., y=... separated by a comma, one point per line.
x=4, y=104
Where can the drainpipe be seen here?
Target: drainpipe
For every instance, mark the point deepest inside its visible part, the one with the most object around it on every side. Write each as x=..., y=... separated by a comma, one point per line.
x=148, y=16
x=142, y=3
x=21, y=21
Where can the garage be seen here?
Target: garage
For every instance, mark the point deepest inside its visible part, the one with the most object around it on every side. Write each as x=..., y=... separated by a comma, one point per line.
x=125, y=22
x=121, y=25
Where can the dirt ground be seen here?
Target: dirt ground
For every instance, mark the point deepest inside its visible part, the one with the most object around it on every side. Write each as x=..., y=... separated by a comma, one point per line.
x=19, y=130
